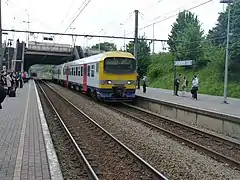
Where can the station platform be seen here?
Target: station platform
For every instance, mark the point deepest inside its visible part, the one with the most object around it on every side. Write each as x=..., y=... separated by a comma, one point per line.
x=26, y=149
x=204, y=102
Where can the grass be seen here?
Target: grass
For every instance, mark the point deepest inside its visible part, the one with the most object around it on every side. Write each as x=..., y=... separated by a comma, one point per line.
x=211, y=79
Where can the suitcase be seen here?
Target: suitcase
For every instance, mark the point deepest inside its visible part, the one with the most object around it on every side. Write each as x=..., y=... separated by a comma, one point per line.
x=12, y=93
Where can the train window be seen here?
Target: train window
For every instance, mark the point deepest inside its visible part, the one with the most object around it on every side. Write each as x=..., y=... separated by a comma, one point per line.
x=88, y=71
x=74, y=71
x=119, y=65
x=92, y=71
x=81, y=70
x=97, y=67
x=78, y=71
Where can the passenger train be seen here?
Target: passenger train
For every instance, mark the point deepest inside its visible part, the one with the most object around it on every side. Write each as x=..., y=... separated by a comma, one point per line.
x=109, y=76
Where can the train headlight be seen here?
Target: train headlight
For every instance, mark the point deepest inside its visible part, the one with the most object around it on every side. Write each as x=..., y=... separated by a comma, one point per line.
x=109, y=82
x=130, y=82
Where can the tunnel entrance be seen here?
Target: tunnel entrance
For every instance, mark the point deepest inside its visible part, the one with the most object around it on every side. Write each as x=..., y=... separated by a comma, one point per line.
x=33, y=74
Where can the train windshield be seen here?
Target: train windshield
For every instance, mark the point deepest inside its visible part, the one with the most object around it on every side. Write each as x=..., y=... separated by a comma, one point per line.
x=119, y=65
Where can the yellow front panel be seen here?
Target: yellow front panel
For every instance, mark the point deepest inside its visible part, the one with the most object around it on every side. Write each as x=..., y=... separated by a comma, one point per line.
x=109, y=86
x=115, y=77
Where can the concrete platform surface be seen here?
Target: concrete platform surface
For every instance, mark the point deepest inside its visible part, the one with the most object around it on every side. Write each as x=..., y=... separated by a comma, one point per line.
x=205, y=102
x=26, y=149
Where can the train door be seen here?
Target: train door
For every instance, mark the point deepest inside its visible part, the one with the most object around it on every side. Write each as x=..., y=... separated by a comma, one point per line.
x=85, y=77
x=67, y=71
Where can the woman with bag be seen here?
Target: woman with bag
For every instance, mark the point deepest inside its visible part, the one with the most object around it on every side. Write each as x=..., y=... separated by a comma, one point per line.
x=194, y=89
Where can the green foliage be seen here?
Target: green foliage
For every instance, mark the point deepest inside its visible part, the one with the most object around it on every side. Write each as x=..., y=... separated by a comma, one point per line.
x=209, y=53
x=160, y=72
x=161, y=64
x=186, y=36
x=218, y=37
x=143, y=55
x=106, y=46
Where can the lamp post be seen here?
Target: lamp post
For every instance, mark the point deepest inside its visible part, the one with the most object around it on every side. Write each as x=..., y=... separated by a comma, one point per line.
x=227, y=48
x=28, y=23
x=124, y=34
x=72, y=36
x=99, y=46
x=153, y=50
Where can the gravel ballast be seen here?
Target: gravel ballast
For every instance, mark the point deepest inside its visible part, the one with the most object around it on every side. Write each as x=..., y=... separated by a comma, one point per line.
x=173, y=159
x=71, y=166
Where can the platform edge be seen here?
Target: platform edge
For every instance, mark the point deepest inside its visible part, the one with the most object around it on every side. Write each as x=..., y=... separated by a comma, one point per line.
x=211, y=113
x=54, y=166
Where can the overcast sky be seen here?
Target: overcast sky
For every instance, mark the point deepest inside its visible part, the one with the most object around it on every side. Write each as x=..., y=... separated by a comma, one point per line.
x=105, y=17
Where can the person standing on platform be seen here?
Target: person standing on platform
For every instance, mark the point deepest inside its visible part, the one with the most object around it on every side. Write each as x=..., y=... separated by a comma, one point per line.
x=138, y=81
x=177, y=83
x=144, y=84
x=9, y=82
x=184, y=86
x=194, y=89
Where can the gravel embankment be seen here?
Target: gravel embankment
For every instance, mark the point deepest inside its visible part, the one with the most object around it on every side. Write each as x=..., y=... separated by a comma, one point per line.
x=169, y=157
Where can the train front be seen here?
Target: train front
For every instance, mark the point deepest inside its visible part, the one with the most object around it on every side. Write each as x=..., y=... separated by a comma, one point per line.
x=117, y=78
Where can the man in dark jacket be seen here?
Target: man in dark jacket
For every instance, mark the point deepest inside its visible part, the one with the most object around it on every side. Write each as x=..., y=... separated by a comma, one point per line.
x=3, y=93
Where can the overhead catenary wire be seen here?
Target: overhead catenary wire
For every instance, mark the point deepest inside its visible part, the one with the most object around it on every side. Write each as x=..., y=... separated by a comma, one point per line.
x=123, y=22
x=88, y=1
x=169, y=17
x=67, y=12
x=116, y=37
x=21, y=10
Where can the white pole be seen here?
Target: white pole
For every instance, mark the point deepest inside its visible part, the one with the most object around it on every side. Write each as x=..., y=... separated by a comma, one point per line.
x=124, y=45
x=226, y=59
x=153, y=38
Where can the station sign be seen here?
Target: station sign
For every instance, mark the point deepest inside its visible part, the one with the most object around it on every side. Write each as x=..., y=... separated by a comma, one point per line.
x=183, y=63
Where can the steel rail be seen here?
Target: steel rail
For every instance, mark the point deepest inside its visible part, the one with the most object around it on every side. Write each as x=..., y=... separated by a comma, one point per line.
x=152, y=169
x=210, y=152
x=88, y=167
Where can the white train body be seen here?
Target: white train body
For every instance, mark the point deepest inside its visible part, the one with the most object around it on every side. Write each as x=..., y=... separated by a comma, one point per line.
x=109, y=76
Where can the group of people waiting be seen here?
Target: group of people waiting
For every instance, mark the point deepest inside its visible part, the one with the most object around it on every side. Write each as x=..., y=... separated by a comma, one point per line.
x=194, y=87
x=10, y=80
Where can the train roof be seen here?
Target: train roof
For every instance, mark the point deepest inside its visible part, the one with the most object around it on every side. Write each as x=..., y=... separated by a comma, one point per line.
x=99, y=57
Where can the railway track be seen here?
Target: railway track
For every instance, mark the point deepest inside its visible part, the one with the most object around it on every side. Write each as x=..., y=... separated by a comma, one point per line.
x=104, y=156
x=217, y=147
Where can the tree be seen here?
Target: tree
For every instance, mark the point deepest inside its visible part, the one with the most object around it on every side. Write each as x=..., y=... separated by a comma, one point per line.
x=143, y=55
x=106, y=46
x=186, y=36
x=218, y=36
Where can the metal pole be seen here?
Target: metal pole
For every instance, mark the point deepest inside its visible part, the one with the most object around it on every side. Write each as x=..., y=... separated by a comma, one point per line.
x=99, y=48
x=1, y=48
x=226, y=59
x=124, y=43
x=136, y=34
x=28, y=28
x=9, y=58
x=153, y=38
